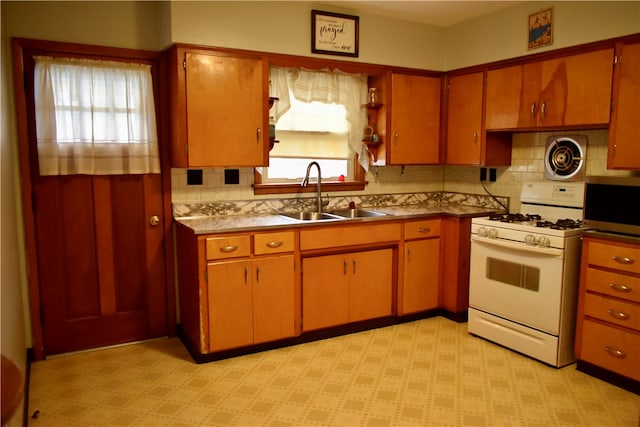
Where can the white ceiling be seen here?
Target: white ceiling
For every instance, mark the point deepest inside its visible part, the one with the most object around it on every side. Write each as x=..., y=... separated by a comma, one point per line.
x=440, y=13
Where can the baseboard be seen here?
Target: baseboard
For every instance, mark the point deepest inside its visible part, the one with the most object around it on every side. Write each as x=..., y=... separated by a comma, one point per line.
x=310, y=336
x=611, y=377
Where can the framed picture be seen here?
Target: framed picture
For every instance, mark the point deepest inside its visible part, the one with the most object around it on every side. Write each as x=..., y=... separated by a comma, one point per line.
x=541, y=28
x=334, y=33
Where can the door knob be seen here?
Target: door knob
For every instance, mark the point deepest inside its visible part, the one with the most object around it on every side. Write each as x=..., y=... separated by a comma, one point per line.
x=154, y=220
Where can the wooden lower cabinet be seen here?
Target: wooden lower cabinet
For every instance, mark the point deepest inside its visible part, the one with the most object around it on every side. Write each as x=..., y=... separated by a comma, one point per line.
x=344, y=288
x=456, y=253
x=250, y=301
x=421, y=278
x=608, y=327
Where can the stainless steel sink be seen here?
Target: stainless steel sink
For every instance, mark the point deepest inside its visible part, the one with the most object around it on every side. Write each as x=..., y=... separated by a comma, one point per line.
x=356, y=213
x=311, y=216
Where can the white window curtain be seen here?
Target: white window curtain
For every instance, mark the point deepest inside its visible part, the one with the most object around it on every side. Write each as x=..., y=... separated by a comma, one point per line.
x=329, y=87
x=94, y=117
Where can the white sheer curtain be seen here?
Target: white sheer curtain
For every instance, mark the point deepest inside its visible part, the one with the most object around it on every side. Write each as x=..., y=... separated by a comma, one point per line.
x=94, y=117
x=325, y=86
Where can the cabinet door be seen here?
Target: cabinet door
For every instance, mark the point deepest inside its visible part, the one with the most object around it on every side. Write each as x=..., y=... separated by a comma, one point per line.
x=370, y=284
x=325, y=291
x=464, y=119
x=624, y=132
x=230, y=305
x=504, y=87
x=576, y=89
x=568, y=91
x=415, y=120
x=226, y=111
x=273, y=298
x=421, y=275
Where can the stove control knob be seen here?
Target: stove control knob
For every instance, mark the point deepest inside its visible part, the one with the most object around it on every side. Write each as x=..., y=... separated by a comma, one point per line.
x=544, y=242
x=530, y=240
x=493, y=233
x=482, y=231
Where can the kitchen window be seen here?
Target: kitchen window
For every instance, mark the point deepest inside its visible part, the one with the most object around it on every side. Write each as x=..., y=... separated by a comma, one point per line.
x=318, y=117
x=94, y=117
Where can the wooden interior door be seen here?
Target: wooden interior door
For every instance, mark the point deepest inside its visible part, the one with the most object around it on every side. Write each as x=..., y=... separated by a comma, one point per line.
x=101, y=262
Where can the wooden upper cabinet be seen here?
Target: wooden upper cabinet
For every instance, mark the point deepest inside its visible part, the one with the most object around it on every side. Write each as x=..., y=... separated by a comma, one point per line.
x=624, y=131
x=414, y=137
x=467, y=143
x=464, y=119
x=219, y=109
x=569, y=91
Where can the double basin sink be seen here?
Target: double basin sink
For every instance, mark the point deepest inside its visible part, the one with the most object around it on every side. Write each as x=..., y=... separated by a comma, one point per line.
x=333, y=215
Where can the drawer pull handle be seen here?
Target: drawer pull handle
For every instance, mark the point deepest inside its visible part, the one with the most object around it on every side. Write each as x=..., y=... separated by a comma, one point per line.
x=424, y=229
x=620, y=288
x=618, y=315
x=274, y=245
x=228, y=249
x=623, y=259
x=615, y=352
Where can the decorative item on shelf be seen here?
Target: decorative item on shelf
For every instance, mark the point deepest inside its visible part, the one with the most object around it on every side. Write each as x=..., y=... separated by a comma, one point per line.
x=272, y=132
x=372, y=97
x=370, y=136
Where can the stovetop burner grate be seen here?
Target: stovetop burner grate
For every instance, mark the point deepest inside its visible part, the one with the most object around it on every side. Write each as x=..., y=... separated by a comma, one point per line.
x=535, y=219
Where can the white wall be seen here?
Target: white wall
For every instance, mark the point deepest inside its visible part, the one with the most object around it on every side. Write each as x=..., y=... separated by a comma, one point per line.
x=13, y=322
x=503, y=34
x=285, y=27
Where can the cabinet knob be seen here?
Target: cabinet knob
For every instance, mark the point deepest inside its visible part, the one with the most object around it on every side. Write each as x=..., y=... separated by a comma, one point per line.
x=228, y=249
x=274, y=244
x=154, y=220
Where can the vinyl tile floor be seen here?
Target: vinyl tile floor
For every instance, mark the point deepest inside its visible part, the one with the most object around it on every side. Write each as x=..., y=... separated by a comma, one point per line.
x=425, y=373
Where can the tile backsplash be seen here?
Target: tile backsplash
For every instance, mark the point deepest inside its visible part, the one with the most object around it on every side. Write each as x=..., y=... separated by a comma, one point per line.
x=527, y=164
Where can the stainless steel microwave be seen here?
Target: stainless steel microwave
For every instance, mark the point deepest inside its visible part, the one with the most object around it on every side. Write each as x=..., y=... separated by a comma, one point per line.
x=612, y=204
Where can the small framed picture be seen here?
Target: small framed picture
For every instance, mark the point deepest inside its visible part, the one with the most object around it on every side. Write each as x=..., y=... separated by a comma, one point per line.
x=541, y=28
x=334, y=33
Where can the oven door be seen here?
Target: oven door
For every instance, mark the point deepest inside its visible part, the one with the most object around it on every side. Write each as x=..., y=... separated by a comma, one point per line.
x=517, y=282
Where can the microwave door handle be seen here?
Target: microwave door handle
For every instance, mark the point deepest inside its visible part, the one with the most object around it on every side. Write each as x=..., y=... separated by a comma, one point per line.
x=508, y=244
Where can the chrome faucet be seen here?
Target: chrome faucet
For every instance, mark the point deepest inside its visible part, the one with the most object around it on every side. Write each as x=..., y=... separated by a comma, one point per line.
x=305, y=181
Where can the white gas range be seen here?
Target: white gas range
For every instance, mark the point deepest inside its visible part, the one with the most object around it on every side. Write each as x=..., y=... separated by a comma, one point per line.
x=525, y=272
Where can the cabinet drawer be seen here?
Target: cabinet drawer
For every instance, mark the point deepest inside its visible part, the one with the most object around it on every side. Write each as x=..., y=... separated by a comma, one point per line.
x=614, y=284
x=421, y=229
x=611, y=255
x=621, y=313
x=228, y=247
x=334, y=236
x=271, y=243
x=611, y=348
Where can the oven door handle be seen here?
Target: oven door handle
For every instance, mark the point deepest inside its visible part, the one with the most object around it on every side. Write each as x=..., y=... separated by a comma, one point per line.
x=518, y=246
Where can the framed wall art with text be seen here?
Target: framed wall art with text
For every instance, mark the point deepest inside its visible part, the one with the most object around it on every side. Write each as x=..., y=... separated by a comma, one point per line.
x=334, y=33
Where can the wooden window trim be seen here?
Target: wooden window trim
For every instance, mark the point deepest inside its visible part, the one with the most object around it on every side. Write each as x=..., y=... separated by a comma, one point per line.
x=357, y=184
